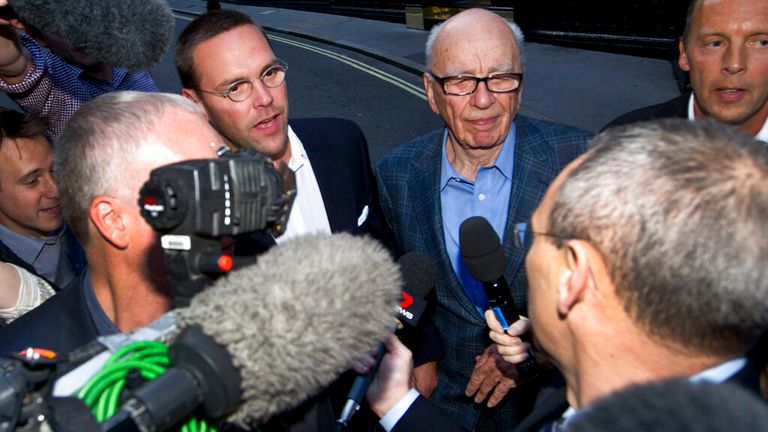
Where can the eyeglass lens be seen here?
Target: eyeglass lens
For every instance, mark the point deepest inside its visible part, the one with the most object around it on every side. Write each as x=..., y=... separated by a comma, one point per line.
x=465, y=85
x=271, y=78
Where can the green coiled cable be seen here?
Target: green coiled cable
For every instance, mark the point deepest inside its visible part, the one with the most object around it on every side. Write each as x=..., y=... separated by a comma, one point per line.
x=103, y=390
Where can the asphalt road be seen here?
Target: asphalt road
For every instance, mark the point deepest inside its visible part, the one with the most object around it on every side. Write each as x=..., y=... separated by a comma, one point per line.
x=324, y=81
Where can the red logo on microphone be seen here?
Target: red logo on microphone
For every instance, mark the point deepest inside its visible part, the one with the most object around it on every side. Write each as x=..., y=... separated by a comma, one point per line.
x=407, y=300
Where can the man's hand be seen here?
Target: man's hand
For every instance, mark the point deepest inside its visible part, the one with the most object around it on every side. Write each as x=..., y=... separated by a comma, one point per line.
x=425, y=378
x=492, y=376
x=510, y=346
x=393, y=379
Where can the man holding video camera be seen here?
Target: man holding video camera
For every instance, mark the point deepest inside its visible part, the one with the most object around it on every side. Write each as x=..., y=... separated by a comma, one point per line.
x=108, y=150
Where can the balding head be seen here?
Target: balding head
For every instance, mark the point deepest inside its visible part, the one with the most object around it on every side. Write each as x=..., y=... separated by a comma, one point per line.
x=476, y=23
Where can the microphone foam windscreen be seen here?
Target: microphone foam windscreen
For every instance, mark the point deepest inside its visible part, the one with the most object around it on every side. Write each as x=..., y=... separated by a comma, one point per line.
x=133, y=34
x=481, y=249
x=299, y=317
x=418, y=272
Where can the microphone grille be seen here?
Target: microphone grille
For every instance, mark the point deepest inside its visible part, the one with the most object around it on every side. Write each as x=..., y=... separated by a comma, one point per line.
x=481, y=249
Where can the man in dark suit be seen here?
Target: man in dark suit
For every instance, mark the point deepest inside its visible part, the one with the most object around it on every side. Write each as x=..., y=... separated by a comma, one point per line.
x=228, y=68
x=723, y=50
x=104, y=156
x=487, y=161
x=646, y=262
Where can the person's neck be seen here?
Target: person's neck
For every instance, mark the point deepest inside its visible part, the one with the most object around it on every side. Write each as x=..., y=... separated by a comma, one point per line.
x=128, y=298
x=627, y=356
x=468, y=162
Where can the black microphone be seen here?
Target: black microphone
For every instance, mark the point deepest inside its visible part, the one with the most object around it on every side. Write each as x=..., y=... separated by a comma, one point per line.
x=483, y=255
x=265, y=338
x=418, y=277
x=133, y=34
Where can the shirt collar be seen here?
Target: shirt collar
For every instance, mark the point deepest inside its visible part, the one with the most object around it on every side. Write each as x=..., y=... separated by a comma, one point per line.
x=761, y=136
x=721, y=372
x=298, y=154
x=104, y=325
x=28, y=248
x=504, y=161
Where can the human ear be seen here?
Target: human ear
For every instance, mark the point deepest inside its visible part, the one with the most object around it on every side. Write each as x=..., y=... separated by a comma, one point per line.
x=106, y=215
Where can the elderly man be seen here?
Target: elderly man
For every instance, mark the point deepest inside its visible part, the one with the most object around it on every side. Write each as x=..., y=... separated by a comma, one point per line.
x=487, y=161
x=724, y=49
x=228, y=68
x=647, y=262
x=108, y=150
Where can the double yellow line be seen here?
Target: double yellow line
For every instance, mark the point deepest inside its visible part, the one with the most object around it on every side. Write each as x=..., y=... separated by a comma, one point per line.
x=405, y=85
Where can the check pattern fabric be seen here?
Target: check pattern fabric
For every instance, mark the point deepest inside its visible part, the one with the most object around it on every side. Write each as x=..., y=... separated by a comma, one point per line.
x=408, y=181
x=56, y=89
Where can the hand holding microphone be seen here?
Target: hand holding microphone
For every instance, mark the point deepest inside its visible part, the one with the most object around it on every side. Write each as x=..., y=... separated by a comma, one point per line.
x=511, y=347
x=483, y=255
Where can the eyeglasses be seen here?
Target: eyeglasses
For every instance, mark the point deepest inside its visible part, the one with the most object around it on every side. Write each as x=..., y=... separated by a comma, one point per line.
x=240, y=90
x=461, y=85
x=522, y=239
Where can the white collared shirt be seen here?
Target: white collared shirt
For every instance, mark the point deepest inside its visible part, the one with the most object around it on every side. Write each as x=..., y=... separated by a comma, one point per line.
x=308, y=212
x=762, y=135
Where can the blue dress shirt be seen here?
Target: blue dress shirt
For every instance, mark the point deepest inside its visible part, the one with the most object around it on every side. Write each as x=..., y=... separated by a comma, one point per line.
x=487, y=196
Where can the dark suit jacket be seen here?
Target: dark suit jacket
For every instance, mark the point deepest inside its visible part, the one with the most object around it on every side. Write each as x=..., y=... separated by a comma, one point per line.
x=338, y=152
x=62, y=323
x=409, y=180
x=550, y=406
x=673, y=108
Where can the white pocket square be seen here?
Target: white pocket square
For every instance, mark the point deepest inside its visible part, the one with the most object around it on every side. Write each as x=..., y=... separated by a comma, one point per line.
x=363, y=216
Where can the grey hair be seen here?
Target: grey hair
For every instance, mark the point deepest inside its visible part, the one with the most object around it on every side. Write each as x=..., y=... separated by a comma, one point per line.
x=678, y=210
x=91, y=154
x=519, y=40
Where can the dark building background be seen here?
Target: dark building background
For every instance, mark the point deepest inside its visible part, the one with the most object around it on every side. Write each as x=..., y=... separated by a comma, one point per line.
x=640, y=27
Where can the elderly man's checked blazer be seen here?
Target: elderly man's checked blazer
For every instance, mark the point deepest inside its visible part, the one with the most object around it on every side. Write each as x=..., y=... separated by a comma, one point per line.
x=409, y=189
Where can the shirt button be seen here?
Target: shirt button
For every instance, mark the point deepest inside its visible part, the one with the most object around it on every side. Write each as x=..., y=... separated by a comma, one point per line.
x=481, y=197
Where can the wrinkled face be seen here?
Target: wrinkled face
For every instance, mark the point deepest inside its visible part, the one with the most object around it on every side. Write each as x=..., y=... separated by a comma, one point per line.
x=29, y=200
x=480, y=120
x=259, y=122
x=726, y=52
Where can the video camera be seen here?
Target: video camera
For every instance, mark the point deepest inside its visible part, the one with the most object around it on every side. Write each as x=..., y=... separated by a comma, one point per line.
x=199, y=205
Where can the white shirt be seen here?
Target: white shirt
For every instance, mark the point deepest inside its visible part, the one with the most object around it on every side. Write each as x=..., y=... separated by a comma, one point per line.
x=308, y=212
x=761, y=136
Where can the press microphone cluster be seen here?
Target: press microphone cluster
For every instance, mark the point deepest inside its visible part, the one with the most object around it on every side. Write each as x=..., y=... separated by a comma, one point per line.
x=133, y=34
x=418, y=275
x=265, y=338
x=483, y=255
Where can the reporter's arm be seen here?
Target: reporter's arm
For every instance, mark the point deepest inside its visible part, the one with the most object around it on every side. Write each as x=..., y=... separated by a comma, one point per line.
x=15, y=63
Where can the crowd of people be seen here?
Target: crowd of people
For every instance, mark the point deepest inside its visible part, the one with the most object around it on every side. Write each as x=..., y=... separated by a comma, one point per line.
x=638, y=256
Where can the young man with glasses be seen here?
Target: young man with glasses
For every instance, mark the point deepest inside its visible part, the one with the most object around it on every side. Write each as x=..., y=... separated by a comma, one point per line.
x=488, y=161
x=228, y=68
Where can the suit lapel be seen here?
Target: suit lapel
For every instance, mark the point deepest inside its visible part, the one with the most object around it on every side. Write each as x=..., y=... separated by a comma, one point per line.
x=529, y=182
